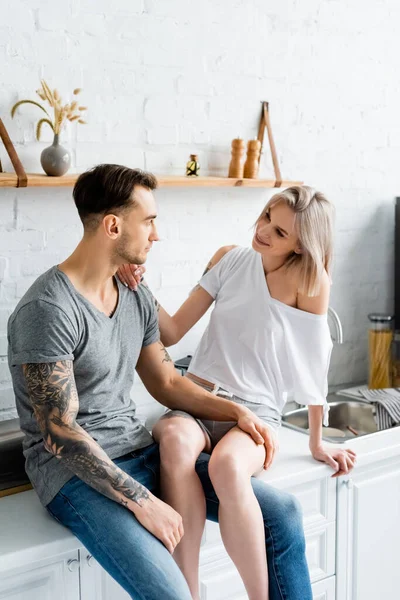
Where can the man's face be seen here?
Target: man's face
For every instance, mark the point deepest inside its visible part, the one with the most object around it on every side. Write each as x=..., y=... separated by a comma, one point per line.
x=138, y=229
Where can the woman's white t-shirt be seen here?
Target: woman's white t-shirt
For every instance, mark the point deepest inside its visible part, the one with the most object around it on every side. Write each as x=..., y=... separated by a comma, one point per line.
x=257, y=347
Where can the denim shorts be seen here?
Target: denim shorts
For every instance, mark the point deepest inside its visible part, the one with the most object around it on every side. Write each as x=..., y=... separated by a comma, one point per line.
x=215, y=430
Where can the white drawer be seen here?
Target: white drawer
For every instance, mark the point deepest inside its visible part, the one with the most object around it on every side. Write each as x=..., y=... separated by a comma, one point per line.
x=318, y=501
x=221, y=584
x=320, y=551
x=324, y=590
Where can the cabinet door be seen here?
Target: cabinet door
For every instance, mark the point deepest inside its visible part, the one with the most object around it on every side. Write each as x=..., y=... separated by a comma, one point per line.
x=324, y=590
x=318, y=501
x=368, y=533
x=96, y=583
x=320, y=551
x=58, y=579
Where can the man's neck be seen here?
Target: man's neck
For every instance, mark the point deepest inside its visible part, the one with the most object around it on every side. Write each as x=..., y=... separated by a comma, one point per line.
x=90, y=270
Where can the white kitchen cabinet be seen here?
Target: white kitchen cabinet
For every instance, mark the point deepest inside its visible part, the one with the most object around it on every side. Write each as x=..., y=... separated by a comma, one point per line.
x=368, y=533
x=219, y=579
x=324, y=590
x=318, y=502
x=96, y=583
x=352, y=529
x=46, y=580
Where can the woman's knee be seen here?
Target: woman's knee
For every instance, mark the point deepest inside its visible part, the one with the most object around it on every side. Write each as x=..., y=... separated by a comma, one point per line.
x=181, y=441
x=227, y=473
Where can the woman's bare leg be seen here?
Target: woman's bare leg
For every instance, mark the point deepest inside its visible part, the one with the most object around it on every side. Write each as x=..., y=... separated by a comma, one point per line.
x=234, y=460
x=181, y=440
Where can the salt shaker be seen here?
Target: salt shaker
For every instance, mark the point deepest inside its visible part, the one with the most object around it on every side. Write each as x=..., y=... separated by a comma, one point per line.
x=251, y=164
x=236, y=165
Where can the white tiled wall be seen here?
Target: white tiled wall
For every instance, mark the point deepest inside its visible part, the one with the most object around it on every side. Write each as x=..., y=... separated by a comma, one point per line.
x=166, y=79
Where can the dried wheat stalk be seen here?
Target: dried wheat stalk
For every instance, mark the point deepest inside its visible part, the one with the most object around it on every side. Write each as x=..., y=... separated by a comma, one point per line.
x=70, y=111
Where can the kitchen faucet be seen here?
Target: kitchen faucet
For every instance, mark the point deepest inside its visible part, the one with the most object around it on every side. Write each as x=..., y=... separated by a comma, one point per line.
x=334, y=318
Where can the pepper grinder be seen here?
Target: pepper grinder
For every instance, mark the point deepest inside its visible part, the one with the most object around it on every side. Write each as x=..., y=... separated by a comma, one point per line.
x=236, y=165
x=251, y=164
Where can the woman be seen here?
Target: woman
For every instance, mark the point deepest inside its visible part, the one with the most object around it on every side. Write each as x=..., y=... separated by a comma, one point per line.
x=267, y=335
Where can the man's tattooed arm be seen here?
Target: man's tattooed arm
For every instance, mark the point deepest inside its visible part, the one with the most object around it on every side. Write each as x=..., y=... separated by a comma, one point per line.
x=166, y=356
x=55, y=403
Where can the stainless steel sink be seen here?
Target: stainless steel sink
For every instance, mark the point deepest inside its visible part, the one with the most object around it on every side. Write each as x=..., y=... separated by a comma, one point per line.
x=348, y=419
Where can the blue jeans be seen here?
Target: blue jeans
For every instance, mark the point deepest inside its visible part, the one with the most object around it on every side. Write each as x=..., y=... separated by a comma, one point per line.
x=143, y=566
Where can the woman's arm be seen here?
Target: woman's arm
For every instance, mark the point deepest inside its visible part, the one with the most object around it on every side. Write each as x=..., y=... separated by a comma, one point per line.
x=317, y=305
x=173, y=328
x=341, y=460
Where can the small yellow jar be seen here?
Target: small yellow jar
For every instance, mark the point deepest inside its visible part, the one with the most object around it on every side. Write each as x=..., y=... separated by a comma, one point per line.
x=192, y=167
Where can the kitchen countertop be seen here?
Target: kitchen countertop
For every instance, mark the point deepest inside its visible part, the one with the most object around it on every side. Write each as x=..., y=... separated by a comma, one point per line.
x=294, y=463
x=29, y=534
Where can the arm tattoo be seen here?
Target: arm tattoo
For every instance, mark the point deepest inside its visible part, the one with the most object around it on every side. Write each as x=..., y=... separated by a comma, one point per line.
x=55, y=403
x=198, y=286
x=166, y=357
x=208, y=267
x=51, y=387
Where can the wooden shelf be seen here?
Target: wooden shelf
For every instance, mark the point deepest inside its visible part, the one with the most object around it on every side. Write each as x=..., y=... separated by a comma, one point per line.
x=38, y=180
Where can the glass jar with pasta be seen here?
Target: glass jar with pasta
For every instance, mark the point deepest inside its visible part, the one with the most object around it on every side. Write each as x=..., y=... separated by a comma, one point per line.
x=380, y=337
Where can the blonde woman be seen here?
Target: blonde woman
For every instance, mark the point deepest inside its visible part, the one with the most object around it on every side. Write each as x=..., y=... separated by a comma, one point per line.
x=267, y=336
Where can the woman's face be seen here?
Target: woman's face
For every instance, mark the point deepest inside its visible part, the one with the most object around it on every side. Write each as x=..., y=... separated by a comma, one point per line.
x=275, y=232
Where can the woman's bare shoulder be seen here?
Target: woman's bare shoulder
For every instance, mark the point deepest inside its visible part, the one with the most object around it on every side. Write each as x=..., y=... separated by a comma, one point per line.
x=220, y=253
x=316, y=304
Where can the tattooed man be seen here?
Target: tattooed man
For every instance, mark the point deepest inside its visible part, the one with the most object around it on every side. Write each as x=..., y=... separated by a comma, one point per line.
x=75, y=339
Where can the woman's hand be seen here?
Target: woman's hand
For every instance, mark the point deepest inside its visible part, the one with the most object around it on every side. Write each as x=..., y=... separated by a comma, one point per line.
x=131, y=275
x=261, y=434
x=341, y=461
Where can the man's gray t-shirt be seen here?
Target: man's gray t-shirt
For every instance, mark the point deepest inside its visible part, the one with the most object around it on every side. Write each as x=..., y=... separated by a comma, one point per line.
x=54, y=322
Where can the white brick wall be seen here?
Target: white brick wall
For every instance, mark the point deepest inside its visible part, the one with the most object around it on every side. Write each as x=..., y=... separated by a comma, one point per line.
x=165, y=79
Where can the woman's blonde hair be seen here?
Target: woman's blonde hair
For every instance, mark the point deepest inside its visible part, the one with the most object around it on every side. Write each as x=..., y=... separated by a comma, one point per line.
x=314, y=224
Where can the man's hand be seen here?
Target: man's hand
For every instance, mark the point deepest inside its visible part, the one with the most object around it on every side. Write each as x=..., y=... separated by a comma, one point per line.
x=131, y=275
x=261, y=434
x=161, y=520
x=341, y=461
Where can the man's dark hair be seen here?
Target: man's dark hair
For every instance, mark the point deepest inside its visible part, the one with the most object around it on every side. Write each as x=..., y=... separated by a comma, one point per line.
x=106, y=189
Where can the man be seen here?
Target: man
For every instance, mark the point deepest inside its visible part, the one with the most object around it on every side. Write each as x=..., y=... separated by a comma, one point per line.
x=74, y=341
